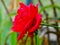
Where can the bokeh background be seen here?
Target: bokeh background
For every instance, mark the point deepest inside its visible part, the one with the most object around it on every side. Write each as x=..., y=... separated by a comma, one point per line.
x=8, y=9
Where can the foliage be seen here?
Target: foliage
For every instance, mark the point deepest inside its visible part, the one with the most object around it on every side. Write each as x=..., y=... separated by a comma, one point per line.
x=5, y=23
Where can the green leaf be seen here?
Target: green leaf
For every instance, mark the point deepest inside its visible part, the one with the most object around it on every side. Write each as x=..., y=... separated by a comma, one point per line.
x=13, y=39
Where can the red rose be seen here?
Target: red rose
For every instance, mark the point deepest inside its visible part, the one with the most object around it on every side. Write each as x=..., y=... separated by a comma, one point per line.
x=26, y=20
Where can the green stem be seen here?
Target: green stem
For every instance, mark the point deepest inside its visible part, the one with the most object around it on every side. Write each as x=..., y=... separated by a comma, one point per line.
x=35, y=38
x=32, y=41
x=6, y=9
x=49, y=6
x=5, y=42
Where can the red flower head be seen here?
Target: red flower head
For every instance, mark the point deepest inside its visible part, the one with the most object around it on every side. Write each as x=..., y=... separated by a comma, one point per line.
x=26, y=20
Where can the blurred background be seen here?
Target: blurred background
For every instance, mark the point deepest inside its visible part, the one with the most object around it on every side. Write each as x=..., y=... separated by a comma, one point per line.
x=49, y=31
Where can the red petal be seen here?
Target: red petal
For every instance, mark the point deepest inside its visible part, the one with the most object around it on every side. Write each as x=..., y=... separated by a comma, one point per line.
x=38, y=21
